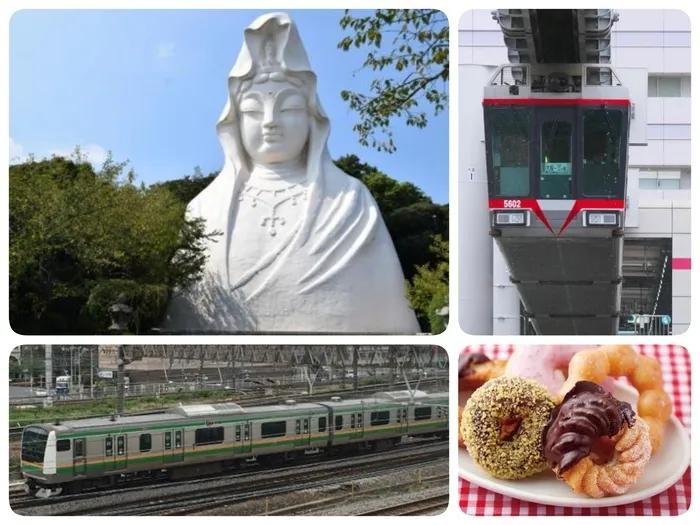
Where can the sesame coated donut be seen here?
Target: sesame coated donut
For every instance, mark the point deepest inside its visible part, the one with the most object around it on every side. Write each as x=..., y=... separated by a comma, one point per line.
x=502, y=427
x=654, y=405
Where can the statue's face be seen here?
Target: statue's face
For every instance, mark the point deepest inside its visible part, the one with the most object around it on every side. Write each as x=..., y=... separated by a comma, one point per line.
x=274, y=122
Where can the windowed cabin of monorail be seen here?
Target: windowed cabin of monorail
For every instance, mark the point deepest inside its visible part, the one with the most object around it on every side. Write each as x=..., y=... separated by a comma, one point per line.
x=566, y=146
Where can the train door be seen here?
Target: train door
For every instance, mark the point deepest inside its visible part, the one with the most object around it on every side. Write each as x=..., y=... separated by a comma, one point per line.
x=79, y=457
x=173, y=449
x=247, y=444
x=357, y=425
x=402, y=420
x=302, y=431
x=179, y=445
x=121, y=452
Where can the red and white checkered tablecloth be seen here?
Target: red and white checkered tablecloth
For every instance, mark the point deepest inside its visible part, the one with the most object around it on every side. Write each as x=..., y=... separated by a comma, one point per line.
x=675, y=366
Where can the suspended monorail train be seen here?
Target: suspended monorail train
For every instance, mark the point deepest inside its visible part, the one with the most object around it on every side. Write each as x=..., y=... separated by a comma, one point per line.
x=557, y=138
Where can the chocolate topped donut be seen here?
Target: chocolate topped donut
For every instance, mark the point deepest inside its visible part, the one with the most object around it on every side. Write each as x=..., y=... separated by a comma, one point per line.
x=586, y=414
x=466, y=362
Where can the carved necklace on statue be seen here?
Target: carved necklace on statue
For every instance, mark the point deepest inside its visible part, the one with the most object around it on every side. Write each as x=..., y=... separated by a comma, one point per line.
x=273, y=199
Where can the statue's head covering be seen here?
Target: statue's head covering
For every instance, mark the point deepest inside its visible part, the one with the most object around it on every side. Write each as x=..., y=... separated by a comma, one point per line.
x=273, y=49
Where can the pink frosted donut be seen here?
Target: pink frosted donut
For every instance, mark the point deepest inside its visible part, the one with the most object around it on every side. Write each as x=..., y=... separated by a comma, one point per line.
x=545, y=364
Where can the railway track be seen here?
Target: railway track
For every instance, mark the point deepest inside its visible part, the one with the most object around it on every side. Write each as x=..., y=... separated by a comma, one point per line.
x=280, y=485
x=415, y=508
x=304, y=508
x=19, y=501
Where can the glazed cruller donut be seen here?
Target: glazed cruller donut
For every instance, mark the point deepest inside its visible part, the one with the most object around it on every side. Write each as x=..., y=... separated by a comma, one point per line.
x=654, y=406
x=574, y=442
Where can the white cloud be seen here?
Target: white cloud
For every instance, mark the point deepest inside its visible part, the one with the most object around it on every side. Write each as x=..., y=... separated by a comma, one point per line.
x=17, y=153
x=165, y=50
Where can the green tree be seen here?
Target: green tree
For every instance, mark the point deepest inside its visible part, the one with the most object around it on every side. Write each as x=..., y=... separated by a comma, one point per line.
x=428, y=291
x=411, y=217
x=188, y=187
x=79, y=237
x=411, y=74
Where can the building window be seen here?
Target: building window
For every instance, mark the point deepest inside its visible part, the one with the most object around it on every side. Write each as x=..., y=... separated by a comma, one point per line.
x=669, y=86
x=659, y=180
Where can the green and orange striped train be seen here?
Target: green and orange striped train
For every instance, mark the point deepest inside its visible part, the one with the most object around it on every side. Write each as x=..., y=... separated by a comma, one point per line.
x=70, y=456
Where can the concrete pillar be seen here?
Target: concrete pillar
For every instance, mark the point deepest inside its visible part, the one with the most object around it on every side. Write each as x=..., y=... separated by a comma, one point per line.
x=475, y=255
x=48, y=368
x=506, y=301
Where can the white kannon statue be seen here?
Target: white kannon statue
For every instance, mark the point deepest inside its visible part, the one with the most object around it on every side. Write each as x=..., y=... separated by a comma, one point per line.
x=304, y=246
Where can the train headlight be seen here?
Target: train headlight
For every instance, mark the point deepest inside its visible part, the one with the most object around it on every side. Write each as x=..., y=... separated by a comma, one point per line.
x=605, y=219
x=510, y=218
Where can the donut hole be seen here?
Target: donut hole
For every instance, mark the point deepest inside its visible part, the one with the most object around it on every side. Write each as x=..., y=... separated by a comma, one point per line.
x=603, y=451
x=509, y=427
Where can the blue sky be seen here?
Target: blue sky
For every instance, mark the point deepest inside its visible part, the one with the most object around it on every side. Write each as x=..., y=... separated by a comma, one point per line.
x=150, y=85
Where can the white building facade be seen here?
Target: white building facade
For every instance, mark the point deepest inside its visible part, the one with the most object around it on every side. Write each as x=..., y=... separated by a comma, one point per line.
x=655, y=43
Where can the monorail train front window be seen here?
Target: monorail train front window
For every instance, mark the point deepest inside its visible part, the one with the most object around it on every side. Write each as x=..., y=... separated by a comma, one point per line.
x=556, y=162
x=33, y=444
x=601, y=152
x=510, y=146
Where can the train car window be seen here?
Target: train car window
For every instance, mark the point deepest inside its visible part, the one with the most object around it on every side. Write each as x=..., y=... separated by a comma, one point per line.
x=322, y=424
x=306, y=426
x=109, y=444
x=145, y=443
x=178, y=439
x=379, y=418
x=602, y=135
x=168, y=441
x=78, y=448
x=339, y=422
x=398, y=415
x=120, y=446
x=510, y=151
x=297, y=428
x=63, y=445
x=238, y=433
x=272, y=429
x=209, y=436
x=359, y=420
x=422, y=413
x=352, y=421
x=246, y=431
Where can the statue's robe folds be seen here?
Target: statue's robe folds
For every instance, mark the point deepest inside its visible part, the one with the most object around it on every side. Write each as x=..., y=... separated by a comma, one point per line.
x=346, y=277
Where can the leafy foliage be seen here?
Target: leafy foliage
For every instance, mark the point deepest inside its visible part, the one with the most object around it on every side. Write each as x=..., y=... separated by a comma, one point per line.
x=429, y=289
x=418, y=55
x=80, y=237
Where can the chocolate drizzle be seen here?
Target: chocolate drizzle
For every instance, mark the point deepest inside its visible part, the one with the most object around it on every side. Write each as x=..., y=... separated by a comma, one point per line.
x=586, y=414
x=469, y=360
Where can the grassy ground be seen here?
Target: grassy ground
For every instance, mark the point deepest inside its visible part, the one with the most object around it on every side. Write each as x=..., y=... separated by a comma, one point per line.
x=104, y=406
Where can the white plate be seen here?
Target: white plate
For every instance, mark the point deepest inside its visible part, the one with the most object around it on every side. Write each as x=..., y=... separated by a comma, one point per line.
x=664, y=469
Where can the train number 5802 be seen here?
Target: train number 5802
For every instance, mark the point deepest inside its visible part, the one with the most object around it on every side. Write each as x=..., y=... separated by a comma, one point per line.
x=511, y=204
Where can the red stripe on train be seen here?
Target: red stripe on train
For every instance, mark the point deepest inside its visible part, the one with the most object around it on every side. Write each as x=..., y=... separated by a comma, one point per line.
x=556, y=101
x=534, y=206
